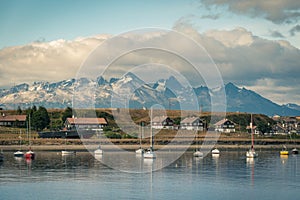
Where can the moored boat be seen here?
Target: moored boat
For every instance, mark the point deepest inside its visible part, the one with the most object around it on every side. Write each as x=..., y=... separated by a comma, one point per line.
x=284, y=151
x=198, y=154
x=65, y=152
x=295, y=151
x=98, y=151
x=19, y=153
x=29, y=154
x=139, y=151
x=215, y=151
x=251, y=152
x=150, y=154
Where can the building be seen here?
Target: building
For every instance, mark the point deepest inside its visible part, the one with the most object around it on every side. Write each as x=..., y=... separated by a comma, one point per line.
x=85, y=123
x=255, y=129
x=162, y=122
x=192, y=123
x=225, y=125
x=13, y=120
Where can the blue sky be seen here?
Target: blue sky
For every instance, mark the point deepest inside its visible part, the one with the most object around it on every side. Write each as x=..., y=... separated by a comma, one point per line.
x=26, y=21
x=23, y=22
x=254, y=43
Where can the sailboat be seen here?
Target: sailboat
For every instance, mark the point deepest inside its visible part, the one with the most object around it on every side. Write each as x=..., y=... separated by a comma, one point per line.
x=140, y=151
x=215, y=151
x=150, y=153
x=294, y=150
x=198, y=153
x=65, y=152
x=19, y=153
x=284, y=151
x=251, y=153
x=29, y=154
x=98, y=151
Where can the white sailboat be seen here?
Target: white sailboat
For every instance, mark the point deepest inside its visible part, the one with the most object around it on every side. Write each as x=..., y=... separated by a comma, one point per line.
x=98, y=151
x=65, y=152
x=150, y=153
x=251, y=152
x=140, y=151
x=198, y=153
x=19, y=153
x=215, y=151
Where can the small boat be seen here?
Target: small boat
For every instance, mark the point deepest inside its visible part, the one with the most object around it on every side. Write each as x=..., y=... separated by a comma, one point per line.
x=65, y=153
x=19, y=153
x=150, y=154
x=29, y=154
x=295, y=151
x=251, y=153
x=139, y=151
x=215, y=151
x=284, y=151
x=198, y=154
x=98, y=151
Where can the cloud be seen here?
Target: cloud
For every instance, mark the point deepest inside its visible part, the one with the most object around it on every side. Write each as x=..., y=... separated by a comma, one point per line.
x=46, y=61
x=294, y=30
x=276, y=34
x=211, y=16
x=277, y=11
x=271, y=67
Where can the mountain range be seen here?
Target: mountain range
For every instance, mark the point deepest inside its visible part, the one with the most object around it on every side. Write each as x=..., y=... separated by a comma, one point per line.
x=131, y=91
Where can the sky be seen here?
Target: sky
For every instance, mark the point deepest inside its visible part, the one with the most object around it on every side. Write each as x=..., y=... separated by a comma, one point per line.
x=255, y=44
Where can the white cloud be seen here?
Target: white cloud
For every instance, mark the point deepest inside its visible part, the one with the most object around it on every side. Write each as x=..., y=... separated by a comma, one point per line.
x=277, y=11
x=48, y=61
x=270, y=67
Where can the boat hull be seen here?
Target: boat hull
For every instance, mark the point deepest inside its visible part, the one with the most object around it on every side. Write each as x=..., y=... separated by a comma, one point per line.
x=149, y=155
x=284, y=152
x=19, y=154
x=68, y=153
x=29, y=155
x=251, y=154
x=215, y=151
x=295, y=151
x=198, y=154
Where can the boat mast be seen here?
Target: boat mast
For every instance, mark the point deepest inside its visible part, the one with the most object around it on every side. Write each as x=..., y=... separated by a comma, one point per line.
x=252, y=137
x=151, y=138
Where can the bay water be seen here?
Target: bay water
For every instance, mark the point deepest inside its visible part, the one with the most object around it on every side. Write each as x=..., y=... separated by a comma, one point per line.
x=82, y=176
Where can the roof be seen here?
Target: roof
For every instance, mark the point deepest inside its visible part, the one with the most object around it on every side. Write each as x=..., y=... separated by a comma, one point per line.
x=249, y=127
x=219, y=123
x=189, y=119
x=86, y=121
x=12, y=118
x=159, y=119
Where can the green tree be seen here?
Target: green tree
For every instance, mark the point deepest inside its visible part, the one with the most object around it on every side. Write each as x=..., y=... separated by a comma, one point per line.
x=40, y=119
x=66, y=114
x=19, y=110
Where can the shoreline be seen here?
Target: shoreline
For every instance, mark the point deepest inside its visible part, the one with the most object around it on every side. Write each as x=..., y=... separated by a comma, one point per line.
x=129, y=147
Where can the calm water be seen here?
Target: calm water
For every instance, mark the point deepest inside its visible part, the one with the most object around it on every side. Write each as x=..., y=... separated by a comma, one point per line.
x=229, y=176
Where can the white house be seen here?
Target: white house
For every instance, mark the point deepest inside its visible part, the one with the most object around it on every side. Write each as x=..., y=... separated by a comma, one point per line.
x=225, y=126
x=192, y=123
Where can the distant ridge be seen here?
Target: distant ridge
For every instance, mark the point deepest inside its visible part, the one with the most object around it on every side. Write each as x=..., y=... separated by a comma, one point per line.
x=59, y=95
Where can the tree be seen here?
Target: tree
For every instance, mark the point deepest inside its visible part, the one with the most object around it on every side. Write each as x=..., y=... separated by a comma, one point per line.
x=66, y=114
x=19, y=110
x=40, y=119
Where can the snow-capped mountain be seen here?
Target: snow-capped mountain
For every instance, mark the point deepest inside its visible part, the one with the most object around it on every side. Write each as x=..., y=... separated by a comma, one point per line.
x=131, y=91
